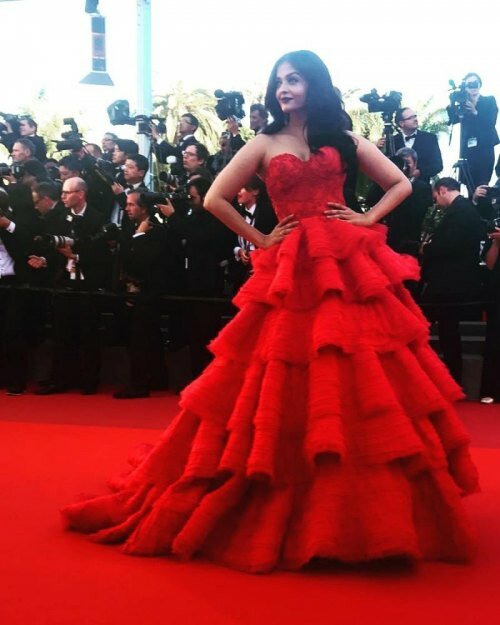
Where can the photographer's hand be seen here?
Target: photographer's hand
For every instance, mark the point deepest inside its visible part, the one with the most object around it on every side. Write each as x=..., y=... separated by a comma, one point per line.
x=117, y=188
x=471, y=107
x=339, y=211
x=37, y=262
x=155, y=135
x=480, y=191
x=143, y=227
x=68, y=252
x=4, y=222
x=167, y=210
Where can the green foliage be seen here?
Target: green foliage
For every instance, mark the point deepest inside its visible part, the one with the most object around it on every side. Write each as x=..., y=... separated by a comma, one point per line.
x=201, y=103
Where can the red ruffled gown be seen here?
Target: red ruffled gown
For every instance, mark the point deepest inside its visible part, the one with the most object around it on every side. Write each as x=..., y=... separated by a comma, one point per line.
x=324, y=425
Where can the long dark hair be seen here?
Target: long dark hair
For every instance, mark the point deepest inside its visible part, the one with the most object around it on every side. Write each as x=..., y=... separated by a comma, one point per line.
x=326, y=119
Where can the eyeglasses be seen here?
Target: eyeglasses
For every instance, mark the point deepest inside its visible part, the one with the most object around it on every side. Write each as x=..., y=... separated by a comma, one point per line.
x=472, y=85
x=407, y=119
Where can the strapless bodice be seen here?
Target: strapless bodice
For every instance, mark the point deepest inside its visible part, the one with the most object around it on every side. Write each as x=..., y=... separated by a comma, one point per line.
x=302, y=188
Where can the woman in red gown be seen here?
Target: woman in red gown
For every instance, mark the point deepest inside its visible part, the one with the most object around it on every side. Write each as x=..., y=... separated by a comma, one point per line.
x=324, y=426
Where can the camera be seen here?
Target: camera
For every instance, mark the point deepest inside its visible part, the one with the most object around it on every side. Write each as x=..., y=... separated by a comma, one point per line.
x=108, y=232
x=172, y=180
x=53, y=241
x=71, y=139
x=229, y=104
x=119, y=115
x=458, y=98
x=493, y=193
x=151, y=199
x=386, y=104
x=16, y=170
x=98, y=168
x=6, y=137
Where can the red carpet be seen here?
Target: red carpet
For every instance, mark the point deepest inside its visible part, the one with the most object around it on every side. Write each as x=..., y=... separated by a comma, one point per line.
x=52, y=448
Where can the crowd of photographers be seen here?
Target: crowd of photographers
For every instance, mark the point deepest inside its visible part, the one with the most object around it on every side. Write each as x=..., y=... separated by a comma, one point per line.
x=75, y=230
x=84, y=234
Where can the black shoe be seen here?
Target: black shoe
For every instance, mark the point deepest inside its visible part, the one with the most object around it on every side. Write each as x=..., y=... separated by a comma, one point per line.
x=130, y=393
x=14, y=391
x=50, y=389
x=89, y=390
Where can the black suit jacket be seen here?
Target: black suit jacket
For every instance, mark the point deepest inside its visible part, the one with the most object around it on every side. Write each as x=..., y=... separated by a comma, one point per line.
x=430, y=161
x=451, y=259
x=147, y=261
x=19, y=244
x=264, y=220
x=164, y=150
x=480, y=126
x=405, y=221
x=94, y=256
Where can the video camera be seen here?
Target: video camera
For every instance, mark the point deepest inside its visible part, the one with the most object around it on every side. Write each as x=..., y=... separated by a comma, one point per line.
x=386, y=104
x=229, y=104
x=14, y=123
x=119, y=115
x=98, y=168
x=16, y=170
x=458, y=98
x=71, y=139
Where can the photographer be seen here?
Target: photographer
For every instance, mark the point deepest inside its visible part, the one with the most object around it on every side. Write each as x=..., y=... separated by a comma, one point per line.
x=188, y=125
x=123, y=149
x=70, y=166
x=195, y=158
x=134, y=171
x=145, y=253
x=259, y=116
x=490, y=378
x=83, y=267
x=18, y=226
x=477, y=115
x=425, y=144
x=207, y=247
x=233, y=129
x=405, y=221
x=27, y=130
x=108, y=145
x=220, y=159
x=22, y=151
x=255, y=206
x=450, y=269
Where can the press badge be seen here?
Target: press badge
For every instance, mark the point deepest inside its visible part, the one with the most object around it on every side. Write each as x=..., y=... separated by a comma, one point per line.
x=472, y=142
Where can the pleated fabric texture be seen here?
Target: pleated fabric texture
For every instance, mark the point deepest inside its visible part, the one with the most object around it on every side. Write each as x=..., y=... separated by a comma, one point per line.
x=324, y=426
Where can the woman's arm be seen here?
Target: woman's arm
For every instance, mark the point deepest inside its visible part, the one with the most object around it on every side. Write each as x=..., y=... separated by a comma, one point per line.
x=382, y=171
x=247, y=162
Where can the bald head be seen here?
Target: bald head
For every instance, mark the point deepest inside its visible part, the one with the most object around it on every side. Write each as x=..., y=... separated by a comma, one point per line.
x=74, y=193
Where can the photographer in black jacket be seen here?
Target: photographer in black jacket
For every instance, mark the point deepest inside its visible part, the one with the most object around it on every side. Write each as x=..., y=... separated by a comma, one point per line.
x=477, y=115
x=450, y=269
x=18, y=226
x=83, y=266
x=145, y=257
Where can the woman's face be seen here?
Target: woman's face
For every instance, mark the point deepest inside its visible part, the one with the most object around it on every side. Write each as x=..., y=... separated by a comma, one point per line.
x=291, y=88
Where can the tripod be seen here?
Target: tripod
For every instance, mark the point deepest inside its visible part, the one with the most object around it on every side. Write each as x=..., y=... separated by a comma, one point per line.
x=461, y=169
